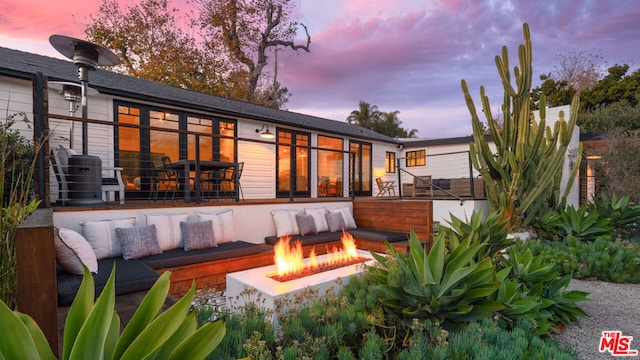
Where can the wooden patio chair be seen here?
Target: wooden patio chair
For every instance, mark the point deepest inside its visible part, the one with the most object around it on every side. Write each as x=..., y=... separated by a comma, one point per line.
x=385, y=187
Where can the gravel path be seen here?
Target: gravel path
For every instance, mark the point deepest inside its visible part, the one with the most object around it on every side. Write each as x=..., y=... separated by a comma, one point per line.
x=614, y=307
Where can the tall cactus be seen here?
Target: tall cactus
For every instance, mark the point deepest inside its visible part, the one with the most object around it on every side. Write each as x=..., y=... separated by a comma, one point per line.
x=523, y=175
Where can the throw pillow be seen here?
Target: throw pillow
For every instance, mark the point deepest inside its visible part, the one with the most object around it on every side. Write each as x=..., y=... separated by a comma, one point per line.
x=335, y=221
x=168, y=230
x=73, y=250
x=318, y=218
x=347, y=216
x=306, y=224
x=285, y=222
x=137, y=242
x=198, y=235
x=222, y=223
x=101, y=234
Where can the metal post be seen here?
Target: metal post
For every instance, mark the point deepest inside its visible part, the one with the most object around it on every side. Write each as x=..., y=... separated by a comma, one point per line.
x=83, y=73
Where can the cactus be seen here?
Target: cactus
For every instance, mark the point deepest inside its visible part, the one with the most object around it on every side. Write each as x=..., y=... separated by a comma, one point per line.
x=522, y=177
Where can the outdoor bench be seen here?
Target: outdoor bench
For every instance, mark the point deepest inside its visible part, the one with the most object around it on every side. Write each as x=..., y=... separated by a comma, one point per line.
x=140, y=274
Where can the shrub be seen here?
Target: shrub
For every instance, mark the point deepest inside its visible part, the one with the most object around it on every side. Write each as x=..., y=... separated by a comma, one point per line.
x=446, y=286
x=615, y=261
x=578, y=223
x=622, y=216
x=92, y=329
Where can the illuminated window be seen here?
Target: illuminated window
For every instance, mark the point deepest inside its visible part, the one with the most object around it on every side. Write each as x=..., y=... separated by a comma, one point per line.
x=390, y=162
x=416, y=158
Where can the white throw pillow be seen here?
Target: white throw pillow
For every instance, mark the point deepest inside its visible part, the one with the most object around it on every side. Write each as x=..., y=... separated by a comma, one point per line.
x=73, y=250
x=222, y=223
x=347, y=216
x=286, y=223
x=101, y=234
x=318, y=218
x=168, y=231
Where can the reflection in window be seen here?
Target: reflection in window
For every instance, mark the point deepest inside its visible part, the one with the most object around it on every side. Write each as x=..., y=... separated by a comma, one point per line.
x=293, y=163
x=330, y=166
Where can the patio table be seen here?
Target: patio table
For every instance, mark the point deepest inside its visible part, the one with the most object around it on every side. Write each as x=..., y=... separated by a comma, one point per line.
x=184, y=167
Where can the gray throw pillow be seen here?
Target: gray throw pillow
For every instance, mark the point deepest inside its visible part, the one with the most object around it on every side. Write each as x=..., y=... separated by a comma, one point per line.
x=198, y=235
x=306, y=224
x=335, y=221
x=137, y=242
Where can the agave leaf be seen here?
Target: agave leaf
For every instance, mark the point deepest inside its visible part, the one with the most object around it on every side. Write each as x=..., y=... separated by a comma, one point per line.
x=188, y=327
x=93, y=333
x=520, y=307
x=453, y=278
x=160, y=329
x=149, y=308
x=435, y=259
x=202, y=342
x=40, y=341
x=16, y=341
x=112, y=336
x=78, y=313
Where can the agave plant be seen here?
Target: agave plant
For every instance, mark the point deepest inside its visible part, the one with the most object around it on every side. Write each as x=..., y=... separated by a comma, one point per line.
x=532, y=288
x=578, y=223
x=492, y=230
x=447, y=286
x=92, y=329
x=622, y=216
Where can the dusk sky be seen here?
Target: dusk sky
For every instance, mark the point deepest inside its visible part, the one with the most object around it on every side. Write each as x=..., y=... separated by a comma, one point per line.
x=401, y=55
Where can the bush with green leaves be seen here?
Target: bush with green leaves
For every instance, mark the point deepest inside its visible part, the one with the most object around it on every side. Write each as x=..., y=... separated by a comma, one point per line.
x=448, y=286
x=578, y=223
x=491, y=231
x=485, y=339
x=614, y=261
x=92, y=330
x=17, y=164
x=623, y=216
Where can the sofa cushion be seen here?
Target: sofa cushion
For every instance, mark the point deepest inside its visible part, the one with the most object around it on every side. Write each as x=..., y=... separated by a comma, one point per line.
x=168, y=230
x=306, y=224
x=137, y=242
x=222, y=224
x=73, y=250
x=378, y=235
x=179, y=257
x=101, y=234
x=313, y=239
x=335, y=221
x=286, y=223
x=131, y=276
x=347, y=216
x=198, y=235
x=318, y=218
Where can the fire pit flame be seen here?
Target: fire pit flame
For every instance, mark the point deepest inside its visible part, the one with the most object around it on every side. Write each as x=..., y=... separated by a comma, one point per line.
x=289, y=260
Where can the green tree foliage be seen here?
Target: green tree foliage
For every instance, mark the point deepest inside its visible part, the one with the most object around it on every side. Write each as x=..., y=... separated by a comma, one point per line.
x=387, y=123
x=623, y=114
x=152, y=45
x=557, y=93
x=616, y=86
x=243, y=32
x=227, y=60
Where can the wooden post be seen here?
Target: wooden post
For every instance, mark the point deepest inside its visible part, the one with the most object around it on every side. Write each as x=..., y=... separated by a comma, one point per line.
x=36, y=273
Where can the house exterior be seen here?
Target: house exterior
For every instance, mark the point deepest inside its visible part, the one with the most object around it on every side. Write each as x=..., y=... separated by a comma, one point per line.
x=310, y=157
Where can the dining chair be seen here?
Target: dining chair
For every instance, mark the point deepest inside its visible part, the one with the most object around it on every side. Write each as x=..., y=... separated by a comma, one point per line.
x=232, y=179
x=171, y=177
x=212, y=180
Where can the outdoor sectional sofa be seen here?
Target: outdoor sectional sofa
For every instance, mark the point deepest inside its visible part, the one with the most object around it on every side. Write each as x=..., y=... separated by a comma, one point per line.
x=317, y=226
x=139, y=273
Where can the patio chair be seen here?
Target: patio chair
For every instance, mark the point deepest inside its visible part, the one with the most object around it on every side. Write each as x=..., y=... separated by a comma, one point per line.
x=212, y=181
x=385, y=187
x=168, y=176
x=232, y=179
x=60, y=161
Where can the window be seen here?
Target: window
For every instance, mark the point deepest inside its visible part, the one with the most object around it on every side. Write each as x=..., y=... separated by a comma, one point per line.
x=416, y=158
x=390, y=162
x=148, y=133
x=330, y=166
x=293, y=163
